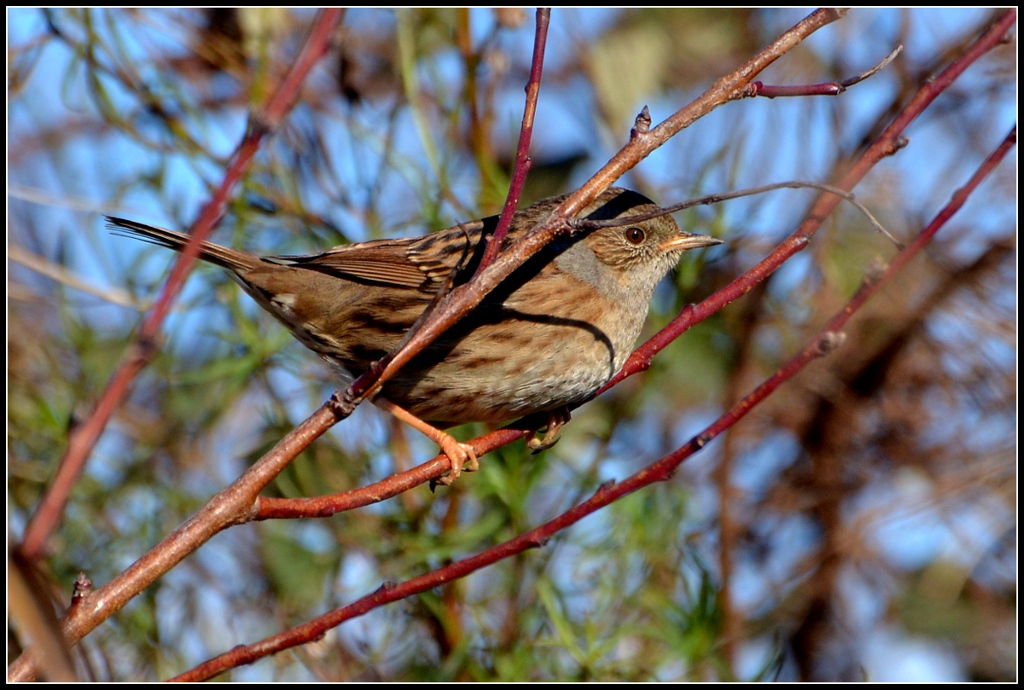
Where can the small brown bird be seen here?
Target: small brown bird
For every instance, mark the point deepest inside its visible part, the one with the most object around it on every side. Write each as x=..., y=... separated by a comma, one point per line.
x=548, y=337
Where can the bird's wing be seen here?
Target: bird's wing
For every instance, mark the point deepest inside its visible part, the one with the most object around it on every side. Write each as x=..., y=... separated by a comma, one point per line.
x=421, y=263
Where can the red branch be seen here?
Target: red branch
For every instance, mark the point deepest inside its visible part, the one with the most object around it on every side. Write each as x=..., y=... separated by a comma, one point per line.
x=829, y=88
x=84, y=437
x=523, y=163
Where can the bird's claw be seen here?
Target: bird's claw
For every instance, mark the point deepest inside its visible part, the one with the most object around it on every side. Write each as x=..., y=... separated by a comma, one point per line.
x=557, y=418
x=461, y=456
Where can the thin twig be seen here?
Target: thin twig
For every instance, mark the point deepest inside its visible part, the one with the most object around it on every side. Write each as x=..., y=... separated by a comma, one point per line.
x=726, y=196
x=830, y=88
x=62, y=275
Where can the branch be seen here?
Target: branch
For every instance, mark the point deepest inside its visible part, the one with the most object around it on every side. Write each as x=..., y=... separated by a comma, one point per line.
x=83, y=437
x=523, y=163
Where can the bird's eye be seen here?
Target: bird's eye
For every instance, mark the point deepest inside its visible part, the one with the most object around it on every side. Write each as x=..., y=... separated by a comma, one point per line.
x=635, y=235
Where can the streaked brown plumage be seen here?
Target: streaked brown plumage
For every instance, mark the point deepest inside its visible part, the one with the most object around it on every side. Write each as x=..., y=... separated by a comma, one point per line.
x=549, y=336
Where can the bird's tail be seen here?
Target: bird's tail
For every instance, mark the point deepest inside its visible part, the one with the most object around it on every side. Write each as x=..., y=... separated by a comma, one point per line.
x=228, y=258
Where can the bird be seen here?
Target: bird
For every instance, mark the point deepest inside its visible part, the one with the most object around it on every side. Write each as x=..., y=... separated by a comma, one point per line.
x=544, y=340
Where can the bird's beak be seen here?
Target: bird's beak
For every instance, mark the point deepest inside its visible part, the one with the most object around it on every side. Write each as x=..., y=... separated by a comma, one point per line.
x=684, y=241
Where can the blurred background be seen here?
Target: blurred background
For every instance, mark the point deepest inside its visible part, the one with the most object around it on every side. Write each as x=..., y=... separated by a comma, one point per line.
x=858, y=525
